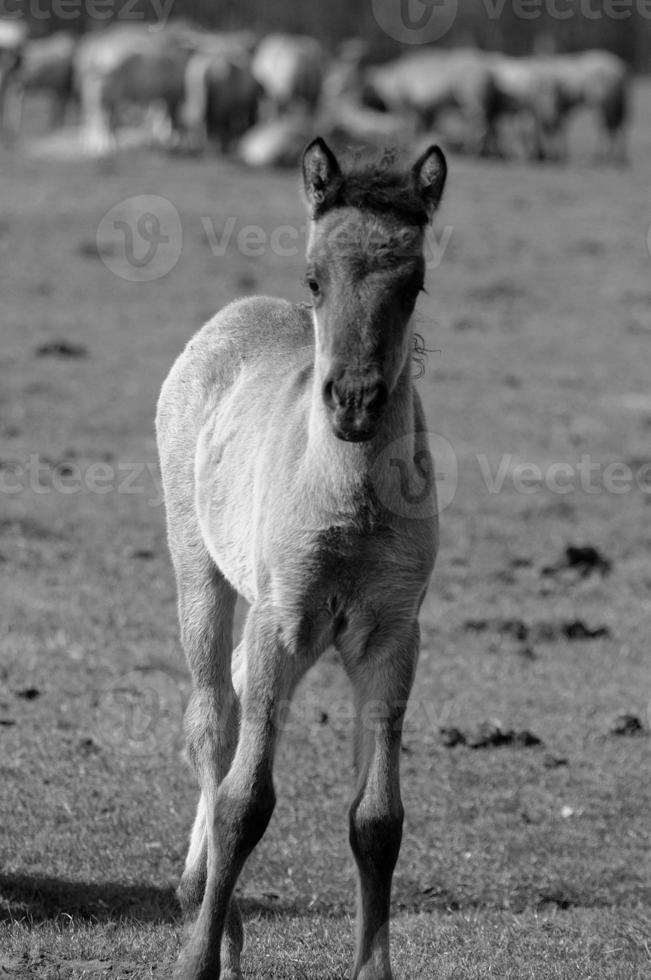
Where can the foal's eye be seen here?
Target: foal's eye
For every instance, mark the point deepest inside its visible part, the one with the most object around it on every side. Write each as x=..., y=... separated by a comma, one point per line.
x=313, y=286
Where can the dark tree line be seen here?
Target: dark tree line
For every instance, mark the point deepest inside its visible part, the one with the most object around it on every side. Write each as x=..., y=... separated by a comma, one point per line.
x=513, y=26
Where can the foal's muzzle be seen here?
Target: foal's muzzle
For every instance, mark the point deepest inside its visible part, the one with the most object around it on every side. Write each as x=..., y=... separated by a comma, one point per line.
x=355, y=404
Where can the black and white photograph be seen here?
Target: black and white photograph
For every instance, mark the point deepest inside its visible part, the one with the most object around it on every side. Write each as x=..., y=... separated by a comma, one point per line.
x=325, y=490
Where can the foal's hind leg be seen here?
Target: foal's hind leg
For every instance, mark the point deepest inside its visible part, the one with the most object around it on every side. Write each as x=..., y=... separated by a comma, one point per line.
x=381, y=680
x=206, y=603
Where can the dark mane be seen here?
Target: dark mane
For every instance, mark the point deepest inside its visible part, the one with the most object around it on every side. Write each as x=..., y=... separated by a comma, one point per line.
x=380, y=188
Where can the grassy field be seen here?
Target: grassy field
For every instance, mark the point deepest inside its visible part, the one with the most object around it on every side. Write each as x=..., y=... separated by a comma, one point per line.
x=517, y=862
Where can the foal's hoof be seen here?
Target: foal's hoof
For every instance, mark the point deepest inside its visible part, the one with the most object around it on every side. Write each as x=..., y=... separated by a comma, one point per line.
x=193, y=966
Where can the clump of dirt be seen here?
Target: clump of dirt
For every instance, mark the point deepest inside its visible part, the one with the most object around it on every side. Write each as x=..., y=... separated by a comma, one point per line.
x=28, y=693
x=540, y=632
x=88, y=746
x=516, y=629
x=61, y=348
x=489, y=735
x=451, y=736
x=628, y=725
x=520, y=561
x=576, y=629
x=584, y=559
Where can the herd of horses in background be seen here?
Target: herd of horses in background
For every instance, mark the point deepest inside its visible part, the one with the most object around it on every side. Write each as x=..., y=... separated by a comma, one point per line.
x=264, y=98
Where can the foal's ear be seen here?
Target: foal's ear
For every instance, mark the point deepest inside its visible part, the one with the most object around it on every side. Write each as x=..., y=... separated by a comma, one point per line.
x=429, y=173
x=322, y=176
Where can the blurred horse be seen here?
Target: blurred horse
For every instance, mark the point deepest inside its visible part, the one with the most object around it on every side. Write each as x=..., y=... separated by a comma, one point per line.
x=128, y=64
x=597, y=80
x=529, y=96
x=239, y=45
x=344, y=76
x=344, y=119
x=277, y=142
x=290, y=69
x=356, y=127
x=46, y=65
x=13, y=37
x=428, y=83
x=221, y=99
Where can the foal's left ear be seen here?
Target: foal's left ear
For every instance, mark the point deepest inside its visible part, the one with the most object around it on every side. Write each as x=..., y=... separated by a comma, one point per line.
x=322, y=176
x=429, y=173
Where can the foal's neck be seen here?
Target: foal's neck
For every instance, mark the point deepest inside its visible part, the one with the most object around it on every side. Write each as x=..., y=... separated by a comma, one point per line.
x=340, y=466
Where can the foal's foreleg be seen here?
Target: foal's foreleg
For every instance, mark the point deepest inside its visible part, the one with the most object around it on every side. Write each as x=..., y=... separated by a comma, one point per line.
x=238, y=813
x=206, y=604
x=193, y=882
x=381, y=683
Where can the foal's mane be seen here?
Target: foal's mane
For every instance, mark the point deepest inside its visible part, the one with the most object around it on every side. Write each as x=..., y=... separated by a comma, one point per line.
x=379, y=187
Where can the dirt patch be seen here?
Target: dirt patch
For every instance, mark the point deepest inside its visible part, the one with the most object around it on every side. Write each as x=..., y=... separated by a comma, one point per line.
x=545, y=631
x=489, y=735
x=583, y=559
x=61, y=348
x=627, y=725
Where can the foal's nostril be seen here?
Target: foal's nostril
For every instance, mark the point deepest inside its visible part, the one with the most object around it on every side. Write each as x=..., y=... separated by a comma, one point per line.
x=329, y=393
x=377, y=397
x=357, y=397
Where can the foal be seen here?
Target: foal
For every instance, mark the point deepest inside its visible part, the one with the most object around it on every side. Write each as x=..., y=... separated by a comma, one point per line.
x=277, y=431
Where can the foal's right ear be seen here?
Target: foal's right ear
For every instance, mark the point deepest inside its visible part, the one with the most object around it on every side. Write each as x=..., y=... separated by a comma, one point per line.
x=429, y=174
x=322, y=176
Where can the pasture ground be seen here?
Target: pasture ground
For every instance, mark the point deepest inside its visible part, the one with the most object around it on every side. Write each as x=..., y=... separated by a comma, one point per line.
x=517, y=862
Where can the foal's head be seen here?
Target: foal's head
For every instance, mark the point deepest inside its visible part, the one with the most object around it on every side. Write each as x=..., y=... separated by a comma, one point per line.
x=365, y=269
